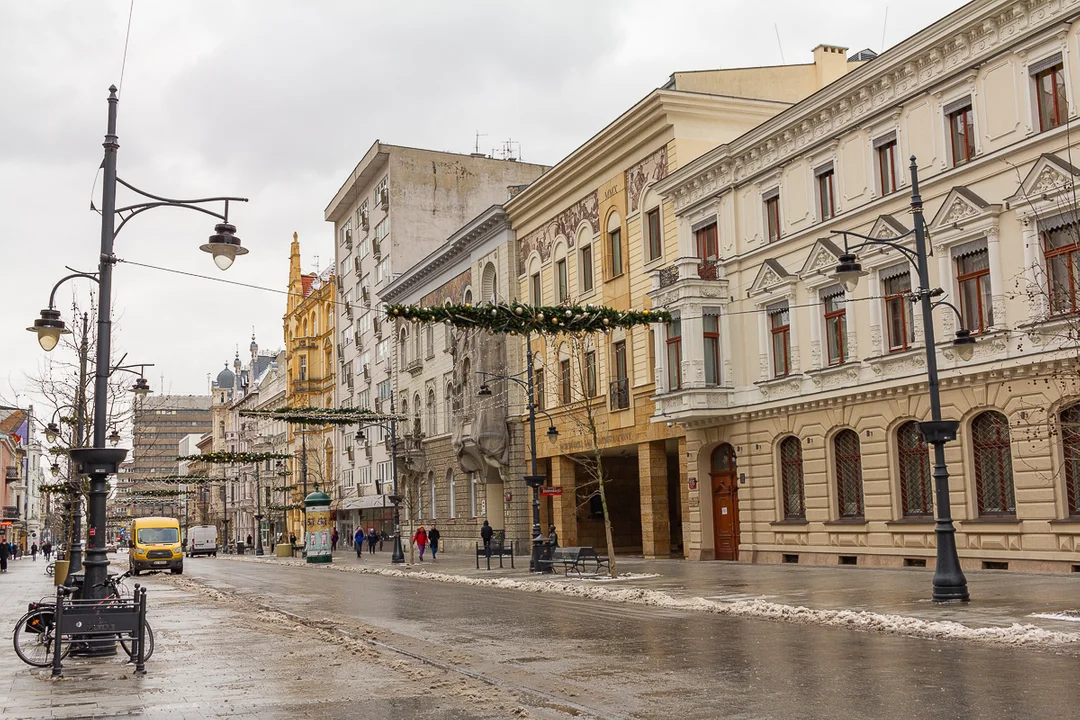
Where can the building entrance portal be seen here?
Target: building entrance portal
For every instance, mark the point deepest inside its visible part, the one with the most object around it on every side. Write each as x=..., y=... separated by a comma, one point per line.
x=725, y=503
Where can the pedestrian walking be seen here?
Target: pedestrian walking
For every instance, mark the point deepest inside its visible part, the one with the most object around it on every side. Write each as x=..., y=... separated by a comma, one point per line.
x=249, y=544
x=358, y=542
x=333, y=541
x=485, y=534
x=433, y=538
x=420, y=538
x=292, y=539
x=33, y=552
x=372, y=538
x=5, y=553
x=14, y=551
x=46, y=550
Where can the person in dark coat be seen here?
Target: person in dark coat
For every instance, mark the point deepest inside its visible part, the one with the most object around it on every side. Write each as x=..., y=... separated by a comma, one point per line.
x=358, y=542
x=46, y=550
x=33, y=551
x=485, y=534
x=333, y=540
x=5, y=553
x=433, y=538
x=372, y=538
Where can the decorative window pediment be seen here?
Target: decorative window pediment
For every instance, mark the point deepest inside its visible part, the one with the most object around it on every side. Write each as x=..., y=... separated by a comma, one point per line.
x=961, y=206
x=1049, y=177
x=771, y=276
x=886, y=227
x=822, y=260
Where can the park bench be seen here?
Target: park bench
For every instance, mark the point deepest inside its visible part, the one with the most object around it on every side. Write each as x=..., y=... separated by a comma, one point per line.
x=577, y=560
x=498, y=548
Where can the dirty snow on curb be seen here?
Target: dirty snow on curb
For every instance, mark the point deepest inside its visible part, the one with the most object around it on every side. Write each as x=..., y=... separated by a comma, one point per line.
x=1014, y=635
x=1068, y=615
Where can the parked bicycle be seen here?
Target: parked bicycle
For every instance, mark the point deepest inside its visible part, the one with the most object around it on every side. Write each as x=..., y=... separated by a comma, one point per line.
x=35, y=638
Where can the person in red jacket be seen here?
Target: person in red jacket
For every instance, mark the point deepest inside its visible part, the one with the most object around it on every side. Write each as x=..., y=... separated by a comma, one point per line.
x=420, y=538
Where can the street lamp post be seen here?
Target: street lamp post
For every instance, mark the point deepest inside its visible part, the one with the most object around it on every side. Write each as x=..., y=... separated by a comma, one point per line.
x=534, y=480
x=398, y=554
x=258, y=513
x=100, y=461
x=949, y=581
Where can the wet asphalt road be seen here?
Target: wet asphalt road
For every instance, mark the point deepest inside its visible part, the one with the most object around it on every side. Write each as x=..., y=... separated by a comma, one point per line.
x=622, y=661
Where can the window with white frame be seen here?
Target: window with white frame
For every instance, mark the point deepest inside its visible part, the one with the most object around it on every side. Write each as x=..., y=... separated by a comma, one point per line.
x=1061, y=248
x=960, y=121
x=347, y=479
x=825, y=179
x=376, y=194
x=885, y=149
x=431, y=489
x=835, y=316
x=654, y=235
x=711, y=336
x=382, y=476
x=585, y=267
x=474, y=506
x=453, y=492
x=771, y=203
x=780, y=338
x=1051, y=103
x=382, y=271
x=973, y=285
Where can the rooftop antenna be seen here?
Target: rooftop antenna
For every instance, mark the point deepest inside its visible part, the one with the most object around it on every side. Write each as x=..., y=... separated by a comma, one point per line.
x=779, y=44
x=316, y=264
x=476, y=148
x=506, y=152
x=883, y=26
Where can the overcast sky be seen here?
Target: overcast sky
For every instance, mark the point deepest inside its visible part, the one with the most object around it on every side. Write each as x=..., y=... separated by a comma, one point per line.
x=277, y=101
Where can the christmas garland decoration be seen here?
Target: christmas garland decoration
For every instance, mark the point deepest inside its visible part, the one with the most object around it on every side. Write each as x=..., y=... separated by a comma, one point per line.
x=283, y=488
x=225, y=458
x=62, y=488
x=164, y=481
x=285, y=508
x=181, y=477
x=515, y=318
x=139, y=494
x=322, y=416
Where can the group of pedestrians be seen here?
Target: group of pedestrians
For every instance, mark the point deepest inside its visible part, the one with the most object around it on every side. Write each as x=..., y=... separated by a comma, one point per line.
x=11, y=551
x=423, y=538
x=371, y=538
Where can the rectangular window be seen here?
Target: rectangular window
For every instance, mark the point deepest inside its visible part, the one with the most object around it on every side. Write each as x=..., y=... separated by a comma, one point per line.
x=898, y=311
x=382, y=230
x=886, y=163
x=705, y=242
x=562, y=289
x=535, y=292
x=564, y=382
x=961, y=134
x=973, y=280
x=619, y=352
x=364, y=247
x=674, y=354
x=538, y=382
x=590, y=373
x=615, y=249
x=780, y=329
x=835, y=327
x=655, y=246
x=386, y=389
x=619, y=389
x=712, y=349
x=772, y=217
x=1062, y=250
x=303, y=369
x=376, y=194
x=585, y=268
x=1050, y=97
x=826, y=195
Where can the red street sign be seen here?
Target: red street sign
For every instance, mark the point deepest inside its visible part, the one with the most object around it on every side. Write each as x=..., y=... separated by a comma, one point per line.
x=550, y=491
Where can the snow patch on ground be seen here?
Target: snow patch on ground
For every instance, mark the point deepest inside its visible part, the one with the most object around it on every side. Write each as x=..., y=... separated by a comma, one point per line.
x=1068, y=615
x=1015, y=635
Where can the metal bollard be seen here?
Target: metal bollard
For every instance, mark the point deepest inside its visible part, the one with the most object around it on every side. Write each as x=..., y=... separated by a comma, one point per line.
x=140, y=660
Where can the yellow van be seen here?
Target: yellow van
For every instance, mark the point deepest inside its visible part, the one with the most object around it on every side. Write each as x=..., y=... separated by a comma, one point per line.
x=155, y=545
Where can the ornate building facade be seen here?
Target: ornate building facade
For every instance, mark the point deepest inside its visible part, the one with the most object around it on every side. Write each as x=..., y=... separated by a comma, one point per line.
x=799, y=398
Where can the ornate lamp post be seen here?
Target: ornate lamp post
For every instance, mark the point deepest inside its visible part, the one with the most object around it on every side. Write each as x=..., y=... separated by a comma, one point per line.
x=949, y=581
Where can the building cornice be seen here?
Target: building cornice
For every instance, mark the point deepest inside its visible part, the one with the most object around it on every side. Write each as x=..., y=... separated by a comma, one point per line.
x=374, y=159
x=952, y=46
x=459, y=245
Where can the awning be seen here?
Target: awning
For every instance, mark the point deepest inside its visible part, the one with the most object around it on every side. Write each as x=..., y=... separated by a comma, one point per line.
x=366, y=501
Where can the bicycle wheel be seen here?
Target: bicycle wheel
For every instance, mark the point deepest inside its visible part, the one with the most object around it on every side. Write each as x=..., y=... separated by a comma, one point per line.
x=50, y=569
x=35, y=638
x=126, y=643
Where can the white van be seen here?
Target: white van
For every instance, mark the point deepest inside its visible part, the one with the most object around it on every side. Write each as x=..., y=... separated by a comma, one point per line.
x=202, y=540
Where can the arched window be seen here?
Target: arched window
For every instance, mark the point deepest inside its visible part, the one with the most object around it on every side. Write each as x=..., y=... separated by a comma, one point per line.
x=916, y=498
x=489, y=284
x=791, y=475
x=403, y=350
x=474, y=507
x=993, y=464
x=1070, y=440
x=468, y=296
x=448, y=407
x=417, y=426
x=432, y=415
x=849, y=487
x=431, y=489
x=466, y=381
x=420, y=499
x=614, y=247
x=405, y=407
x=453, y=500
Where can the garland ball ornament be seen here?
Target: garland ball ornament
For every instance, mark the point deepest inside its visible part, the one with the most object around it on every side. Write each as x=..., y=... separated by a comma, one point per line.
x=517, y=310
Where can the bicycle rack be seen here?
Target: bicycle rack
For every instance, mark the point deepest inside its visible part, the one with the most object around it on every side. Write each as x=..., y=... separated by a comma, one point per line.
x=99, y=622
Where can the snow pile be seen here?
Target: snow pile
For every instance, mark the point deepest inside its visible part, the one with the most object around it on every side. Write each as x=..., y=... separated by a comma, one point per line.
x=1068, y=615
x=1014, y=635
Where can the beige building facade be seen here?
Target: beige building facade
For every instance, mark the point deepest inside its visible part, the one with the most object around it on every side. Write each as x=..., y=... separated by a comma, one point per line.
x=799, y=399
x=594, y=230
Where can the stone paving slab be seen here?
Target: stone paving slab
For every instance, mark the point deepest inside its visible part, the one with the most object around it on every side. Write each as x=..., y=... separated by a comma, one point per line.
x=999, y=598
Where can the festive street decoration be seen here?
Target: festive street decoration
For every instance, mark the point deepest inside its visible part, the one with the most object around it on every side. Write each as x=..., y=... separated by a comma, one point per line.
x=321, y=416
x=283, y=488
x=286, y=508
x=519, y=318
x=62, y=488
x=226, y=458
x=156, y=492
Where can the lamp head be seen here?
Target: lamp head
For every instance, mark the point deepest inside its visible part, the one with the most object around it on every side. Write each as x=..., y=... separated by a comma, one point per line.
x=224, y=245
x=141, y=388
x=51, y=432
x=360, y=436
x=484, y=391
x=114, y=438
x=964, y=344
x=553, y=433
x=49, y=327
x=848, y=271
x=55, y=470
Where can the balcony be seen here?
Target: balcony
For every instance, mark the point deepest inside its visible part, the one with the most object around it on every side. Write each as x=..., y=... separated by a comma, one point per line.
x=415, y=367
x=11, y=512
x=301, y=343
x=11, y=474
x=619, y=392
x=688, y=269
x=313, y=386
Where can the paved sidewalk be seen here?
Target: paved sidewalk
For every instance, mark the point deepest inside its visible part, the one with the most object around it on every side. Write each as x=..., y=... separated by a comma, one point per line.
x=999, y=598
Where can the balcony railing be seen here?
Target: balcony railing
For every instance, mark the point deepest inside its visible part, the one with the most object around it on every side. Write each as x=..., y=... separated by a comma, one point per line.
x=706, y=270
x=310, y=386
x=11, y=512
x=414, y=366
x=11, y=473
x=620, y=394
x=669, y=276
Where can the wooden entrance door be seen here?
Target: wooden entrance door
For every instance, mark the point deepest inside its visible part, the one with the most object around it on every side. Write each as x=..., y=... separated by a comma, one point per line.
x=725, y=503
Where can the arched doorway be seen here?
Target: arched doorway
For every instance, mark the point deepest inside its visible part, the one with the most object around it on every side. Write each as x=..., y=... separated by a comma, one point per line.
x=725, y=502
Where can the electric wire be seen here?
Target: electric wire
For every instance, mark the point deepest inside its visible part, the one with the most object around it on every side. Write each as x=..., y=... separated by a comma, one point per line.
x=127, y=37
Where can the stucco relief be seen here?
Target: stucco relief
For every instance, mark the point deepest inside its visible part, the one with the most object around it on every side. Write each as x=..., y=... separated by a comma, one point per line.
x=957, y=211
x=565, y=223
x=826, y=380
x=649, y=170
x=900, y=364
x=875, y=337
x=1048, y=181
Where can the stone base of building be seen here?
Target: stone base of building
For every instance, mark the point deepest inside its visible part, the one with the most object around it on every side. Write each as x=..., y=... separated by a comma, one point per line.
x=968, y=564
